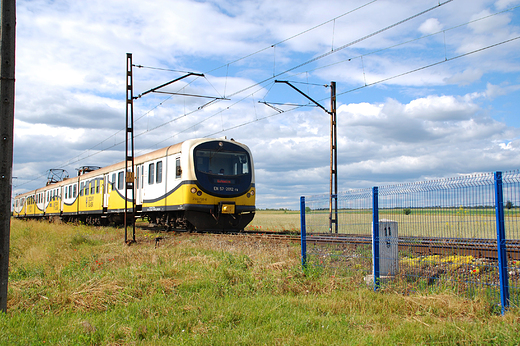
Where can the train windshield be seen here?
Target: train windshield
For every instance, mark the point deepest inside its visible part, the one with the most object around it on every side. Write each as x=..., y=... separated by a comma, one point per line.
x=222, y=168
x=222, y=162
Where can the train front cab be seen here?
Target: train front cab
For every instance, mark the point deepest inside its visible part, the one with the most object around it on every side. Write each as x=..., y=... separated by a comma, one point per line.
x=19, y=207
x=221, y=190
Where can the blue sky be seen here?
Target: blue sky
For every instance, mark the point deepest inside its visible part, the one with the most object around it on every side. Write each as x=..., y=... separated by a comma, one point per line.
x=398, y=119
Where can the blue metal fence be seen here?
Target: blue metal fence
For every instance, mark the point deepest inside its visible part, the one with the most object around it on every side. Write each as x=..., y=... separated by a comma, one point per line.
x=459, y=233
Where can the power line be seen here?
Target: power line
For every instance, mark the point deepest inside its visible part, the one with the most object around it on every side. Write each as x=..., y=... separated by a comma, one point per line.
x=77, y=158
x=380, y=81
x=294, y=36
x=338, y=49
x=412, y=40
x=284, y=72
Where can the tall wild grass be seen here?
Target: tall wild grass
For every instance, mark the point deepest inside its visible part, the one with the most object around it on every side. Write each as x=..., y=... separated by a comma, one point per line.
x=78, y=285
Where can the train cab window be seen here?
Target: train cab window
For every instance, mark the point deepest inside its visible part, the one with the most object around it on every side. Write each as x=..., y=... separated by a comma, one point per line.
x=222, y=166
x=98, y=185
x=93, y=187
x=70, y=191
x=81, y=189
x=74, y=191
x=150, y=173
x=178, y=170
x=120, y=181
x=158, y=175
x=66, y=192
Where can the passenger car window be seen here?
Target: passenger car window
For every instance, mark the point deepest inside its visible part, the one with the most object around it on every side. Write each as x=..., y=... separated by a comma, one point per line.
x=150, y=173
x=178, y=170
x=159, y=172
x=120, y=180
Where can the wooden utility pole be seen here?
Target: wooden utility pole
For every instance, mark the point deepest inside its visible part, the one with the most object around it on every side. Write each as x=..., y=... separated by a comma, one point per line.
x=7, y=50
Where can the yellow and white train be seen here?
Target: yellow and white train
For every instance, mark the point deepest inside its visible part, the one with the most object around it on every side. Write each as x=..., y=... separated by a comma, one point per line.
x=202, y=184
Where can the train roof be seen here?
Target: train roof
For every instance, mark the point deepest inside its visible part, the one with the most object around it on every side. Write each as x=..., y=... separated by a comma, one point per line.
x=156, y=154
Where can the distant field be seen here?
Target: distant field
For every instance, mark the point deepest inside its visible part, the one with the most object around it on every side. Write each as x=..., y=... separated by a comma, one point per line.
x=274, y=220
x=435, y=222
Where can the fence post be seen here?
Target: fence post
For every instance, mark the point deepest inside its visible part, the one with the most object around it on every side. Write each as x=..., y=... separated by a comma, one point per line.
x=303, y=232
x=375, y=236
x=501, y=243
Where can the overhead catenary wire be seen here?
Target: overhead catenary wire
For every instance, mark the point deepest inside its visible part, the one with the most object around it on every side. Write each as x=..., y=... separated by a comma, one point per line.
x=338, y=49
x=413, y=40
x=292, y=37
x=300, y=65
x=321, y=56
x=379, y=81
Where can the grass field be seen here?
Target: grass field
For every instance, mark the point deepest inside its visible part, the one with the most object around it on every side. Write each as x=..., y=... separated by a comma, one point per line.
x=274, y=221
x=78, y=285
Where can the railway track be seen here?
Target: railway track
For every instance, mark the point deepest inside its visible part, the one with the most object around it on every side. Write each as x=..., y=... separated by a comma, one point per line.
x=478, y=248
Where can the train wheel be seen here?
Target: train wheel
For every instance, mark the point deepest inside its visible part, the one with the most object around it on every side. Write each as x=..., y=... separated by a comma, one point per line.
x=189, y=227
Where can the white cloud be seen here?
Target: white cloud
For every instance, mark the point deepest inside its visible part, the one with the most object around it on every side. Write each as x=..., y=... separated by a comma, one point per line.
x=433, y=122
x=430, y=26
x=466, y=77
x=503, y=4
x=494, y=91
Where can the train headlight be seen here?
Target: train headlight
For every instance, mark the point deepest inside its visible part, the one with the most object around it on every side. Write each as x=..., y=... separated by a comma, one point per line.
x=199, y=193
x=193, y=190
x=252, y=192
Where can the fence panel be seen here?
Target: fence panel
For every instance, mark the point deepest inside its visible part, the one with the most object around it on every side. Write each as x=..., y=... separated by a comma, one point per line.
x=438, y=234
x=511, y=194
x=350, y=248
x=447, y=233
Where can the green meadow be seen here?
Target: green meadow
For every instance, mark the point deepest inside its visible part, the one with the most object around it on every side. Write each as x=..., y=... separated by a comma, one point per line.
x=78, y=285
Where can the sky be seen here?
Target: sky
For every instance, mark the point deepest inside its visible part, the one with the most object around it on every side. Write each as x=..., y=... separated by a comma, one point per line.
x=425, y=89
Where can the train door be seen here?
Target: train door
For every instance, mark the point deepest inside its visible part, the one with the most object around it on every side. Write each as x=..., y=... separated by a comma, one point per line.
x=62, y=198
x=106, y=192
x=139, y=184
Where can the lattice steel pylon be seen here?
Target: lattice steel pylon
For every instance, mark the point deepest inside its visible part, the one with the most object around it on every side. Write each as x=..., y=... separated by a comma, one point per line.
x=129, y=161
x=333, y=199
